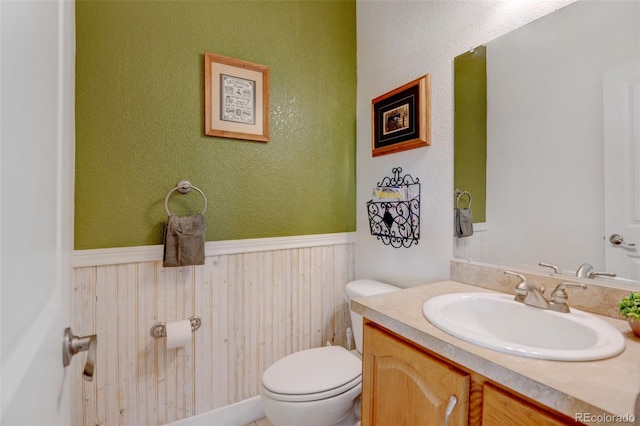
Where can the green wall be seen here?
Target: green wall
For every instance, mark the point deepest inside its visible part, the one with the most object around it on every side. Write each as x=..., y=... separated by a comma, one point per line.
x=140, y=119
x=470, y=129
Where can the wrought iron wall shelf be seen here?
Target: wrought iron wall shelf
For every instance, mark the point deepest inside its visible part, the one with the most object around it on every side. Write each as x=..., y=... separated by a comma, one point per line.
x=396, y=222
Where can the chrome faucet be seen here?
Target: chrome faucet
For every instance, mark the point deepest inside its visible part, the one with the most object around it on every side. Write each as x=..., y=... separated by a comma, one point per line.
x=586, y=271
x=529, y=294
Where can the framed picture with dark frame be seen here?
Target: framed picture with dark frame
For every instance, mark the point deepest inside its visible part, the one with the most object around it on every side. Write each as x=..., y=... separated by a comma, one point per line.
x=236, y=98
x=400, y=119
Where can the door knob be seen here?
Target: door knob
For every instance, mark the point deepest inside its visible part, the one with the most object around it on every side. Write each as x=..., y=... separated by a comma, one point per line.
x=72, y=344
x=617, y=240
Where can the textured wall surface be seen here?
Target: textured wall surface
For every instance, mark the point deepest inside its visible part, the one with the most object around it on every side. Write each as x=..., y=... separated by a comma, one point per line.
x=140, y=119
x=420, y=38
x=470, y=130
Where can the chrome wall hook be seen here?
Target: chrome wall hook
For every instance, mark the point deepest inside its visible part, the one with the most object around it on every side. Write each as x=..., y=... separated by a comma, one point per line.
x=72, y=344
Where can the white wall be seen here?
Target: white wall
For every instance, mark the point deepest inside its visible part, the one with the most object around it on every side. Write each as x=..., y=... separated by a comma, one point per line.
x=545, y=183
x=398, y=42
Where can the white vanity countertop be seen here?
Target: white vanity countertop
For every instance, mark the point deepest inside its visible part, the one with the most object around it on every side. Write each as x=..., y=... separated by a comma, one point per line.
x=604, y=387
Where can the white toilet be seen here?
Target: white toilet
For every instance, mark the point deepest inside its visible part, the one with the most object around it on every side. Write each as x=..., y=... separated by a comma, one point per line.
x=320, y=386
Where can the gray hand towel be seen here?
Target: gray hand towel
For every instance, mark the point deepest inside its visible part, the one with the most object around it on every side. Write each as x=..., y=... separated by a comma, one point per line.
x=463, y=223
x=184, y=241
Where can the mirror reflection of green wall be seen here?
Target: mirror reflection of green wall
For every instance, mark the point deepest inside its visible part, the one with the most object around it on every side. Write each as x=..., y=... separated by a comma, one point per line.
x=470, y=154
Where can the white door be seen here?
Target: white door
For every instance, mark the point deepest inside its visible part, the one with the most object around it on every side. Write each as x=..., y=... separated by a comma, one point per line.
x=622, y=170
x=37, y=42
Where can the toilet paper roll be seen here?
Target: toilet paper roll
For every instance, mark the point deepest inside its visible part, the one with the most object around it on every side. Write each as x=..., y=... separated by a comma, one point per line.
x=178, y=334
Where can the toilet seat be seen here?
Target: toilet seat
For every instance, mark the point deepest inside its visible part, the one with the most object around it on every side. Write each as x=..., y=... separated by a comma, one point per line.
x=357, y=382
x=312, y=374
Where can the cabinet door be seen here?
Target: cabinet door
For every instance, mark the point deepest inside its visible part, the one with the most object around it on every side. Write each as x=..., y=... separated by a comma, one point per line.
x=402, y=385
x=502, y=409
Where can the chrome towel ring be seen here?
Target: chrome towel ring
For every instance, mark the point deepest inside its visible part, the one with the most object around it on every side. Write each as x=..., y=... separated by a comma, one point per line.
x=459, y=195
x=184, y=187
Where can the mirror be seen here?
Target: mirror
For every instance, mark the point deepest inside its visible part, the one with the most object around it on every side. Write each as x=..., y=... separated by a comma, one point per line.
x=546, y=140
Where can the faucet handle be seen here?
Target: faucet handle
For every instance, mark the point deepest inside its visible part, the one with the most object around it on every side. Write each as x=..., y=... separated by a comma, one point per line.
x=556, y=270
x=602, y=274
x=559, y=295
x=522, y=287
x=514, y=274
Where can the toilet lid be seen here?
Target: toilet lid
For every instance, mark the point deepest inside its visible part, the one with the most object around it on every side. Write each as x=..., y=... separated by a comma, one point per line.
x=312, y=371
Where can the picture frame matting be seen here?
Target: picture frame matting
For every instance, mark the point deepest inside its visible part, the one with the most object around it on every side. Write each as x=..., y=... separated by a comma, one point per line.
x=400, y=119
x=236, y=98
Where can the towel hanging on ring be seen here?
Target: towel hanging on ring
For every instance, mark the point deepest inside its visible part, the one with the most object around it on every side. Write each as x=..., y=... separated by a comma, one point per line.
x=184, y=241
x=463, y=217
x=184, y=237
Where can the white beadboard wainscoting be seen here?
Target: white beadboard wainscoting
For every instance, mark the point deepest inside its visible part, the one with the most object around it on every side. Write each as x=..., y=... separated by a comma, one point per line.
x=259, y=300
x=473, y=247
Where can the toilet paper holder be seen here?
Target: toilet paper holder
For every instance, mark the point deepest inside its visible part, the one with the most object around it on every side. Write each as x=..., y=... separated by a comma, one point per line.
x=159, y=329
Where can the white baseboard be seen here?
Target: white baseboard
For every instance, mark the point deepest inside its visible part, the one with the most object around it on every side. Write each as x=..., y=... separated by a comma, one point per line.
x=238, y=414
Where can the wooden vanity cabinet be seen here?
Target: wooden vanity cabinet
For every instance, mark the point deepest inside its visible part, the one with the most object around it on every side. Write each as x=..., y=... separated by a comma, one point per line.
x=501, y=408
x=404, y=384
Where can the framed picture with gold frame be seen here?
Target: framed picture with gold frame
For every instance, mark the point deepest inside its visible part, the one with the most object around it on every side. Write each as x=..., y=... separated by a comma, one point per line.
x=401, y=118
x=236, y=98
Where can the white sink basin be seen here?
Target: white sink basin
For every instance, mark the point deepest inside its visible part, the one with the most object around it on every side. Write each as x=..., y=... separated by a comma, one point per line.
x=497, y=322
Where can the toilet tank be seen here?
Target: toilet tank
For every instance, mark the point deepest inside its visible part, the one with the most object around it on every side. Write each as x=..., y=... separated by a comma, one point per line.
x=363, y=288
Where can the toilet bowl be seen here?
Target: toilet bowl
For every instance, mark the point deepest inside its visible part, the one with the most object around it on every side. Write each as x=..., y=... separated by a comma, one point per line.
x=320, y=386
